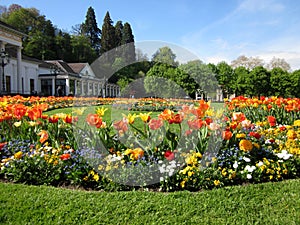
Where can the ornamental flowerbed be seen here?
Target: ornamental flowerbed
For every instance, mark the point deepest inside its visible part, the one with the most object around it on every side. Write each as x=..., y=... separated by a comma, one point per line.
x=175, y=145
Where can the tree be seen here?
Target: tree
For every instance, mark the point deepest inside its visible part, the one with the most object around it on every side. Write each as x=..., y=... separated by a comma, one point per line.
x=165, y=55
x=128, y=41
x=226, y=78
x=91, y=30
x=140, y=56
x=201, y=75
x=241, y=84
x=63, y=46
x=295, y=83
x=3, y=10
x=170, y=74
x=162, y=87
x=248, y=63
x=77, y=30
x=41, y=43
x=281, y=83
x=119, y=32
x=82, y=50
x=108, y=39
x=259, y=81
x=278, y=63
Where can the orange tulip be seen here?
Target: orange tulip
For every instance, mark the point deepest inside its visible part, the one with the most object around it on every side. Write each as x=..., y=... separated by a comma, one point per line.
x=166, y=114
x=227, y=134
x=44, y=136
x=34, y=113
x=271, y=120
x=121, y=125
x=154, y=124
x=94, y=120
x=176, y=119
x=19, y=111
x=195, y=124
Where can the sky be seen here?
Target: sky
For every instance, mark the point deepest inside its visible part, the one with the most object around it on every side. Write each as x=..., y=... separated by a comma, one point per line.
x=213, y=30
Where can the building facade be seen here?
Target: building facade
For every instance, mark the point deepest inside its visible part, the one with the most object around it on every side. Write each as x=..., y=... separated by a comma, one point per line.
x=28, y=76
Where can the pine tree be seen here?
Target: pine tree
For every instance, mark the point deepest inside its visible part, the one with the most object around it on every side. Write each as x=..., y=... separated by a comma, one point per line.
x=119, y=32
x=108, y=39
x=91, y=30
x=128, y=39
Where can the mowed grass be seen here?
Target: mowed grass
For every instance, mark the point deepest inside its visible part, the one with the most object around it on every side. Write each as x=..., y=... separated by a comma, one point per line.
x=269, y=203
x=114, y=113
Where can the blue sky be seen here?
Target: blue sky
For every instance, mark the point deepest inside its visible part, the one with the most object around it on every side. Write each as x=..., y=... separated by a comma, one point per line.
x=214, y=30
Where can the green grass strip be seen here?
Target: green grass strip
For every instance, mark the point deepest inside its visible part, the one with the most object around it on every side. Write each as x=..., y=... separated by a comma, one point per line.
x=269, y=203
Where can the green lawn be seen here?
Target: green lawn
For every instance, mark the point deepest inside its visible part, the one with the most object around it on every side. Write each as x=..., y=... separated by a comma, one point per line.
x=269, y=203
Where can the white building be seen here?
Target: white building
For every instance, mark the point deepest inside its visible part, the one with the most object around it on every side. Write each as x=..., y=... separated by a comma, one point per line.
x=27, y=76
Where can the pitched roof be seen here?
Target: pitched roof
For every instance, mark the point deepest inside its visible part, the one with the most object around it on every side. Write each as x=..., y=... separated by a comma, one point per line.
x=63, y=66
x=77, y=67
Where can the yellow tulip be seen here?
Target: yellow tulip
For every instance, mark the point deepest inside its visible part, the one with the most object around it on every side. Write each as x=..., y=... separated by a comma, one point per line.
x=100, y=111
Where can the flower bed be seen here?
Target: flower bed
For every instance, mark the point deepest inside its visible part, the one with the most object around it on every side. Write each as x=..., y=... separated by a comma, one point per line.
x=253, y=140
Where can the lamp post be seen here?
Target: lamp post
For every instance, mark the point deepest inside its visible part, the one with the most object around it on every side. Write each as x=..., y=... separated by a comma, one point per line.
x=4, y=62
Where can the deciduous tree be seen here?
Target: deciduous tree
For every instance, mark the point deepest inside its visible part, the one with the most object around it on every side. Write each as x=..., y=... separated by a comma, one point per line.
x=165, y=55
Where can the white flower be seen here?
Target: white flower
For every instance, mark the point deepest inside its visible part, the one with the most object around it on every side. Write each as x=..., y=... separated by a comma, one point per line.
x=161, y=179
x=246, y=159
x=249, y=176
x=260, y=164
x=162, y=169
x=250, y=169
x=235, y=165
x=171, y=172
x=284, y=155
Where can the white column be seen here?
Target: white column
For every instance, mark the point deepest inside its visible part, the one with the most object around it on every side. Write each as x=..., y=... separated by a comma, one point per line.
x=19, y=64
x=75, y=87
x=82, y=86
x=3, y=46
x=103, y=90
x=53, y=87
x=67, y=86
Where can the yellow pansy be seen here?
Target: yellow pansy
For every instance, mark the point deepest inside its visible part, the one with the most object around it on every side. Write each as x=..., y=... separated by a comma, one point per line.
x=18, y=155
x=297, y=123
x=217, y=182
x=240, y=135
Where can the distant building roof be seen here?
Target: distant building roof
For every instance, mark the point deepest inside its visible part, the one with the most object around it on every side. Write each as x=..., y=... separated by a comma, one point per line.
x=77, y=67
x=63, y=66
